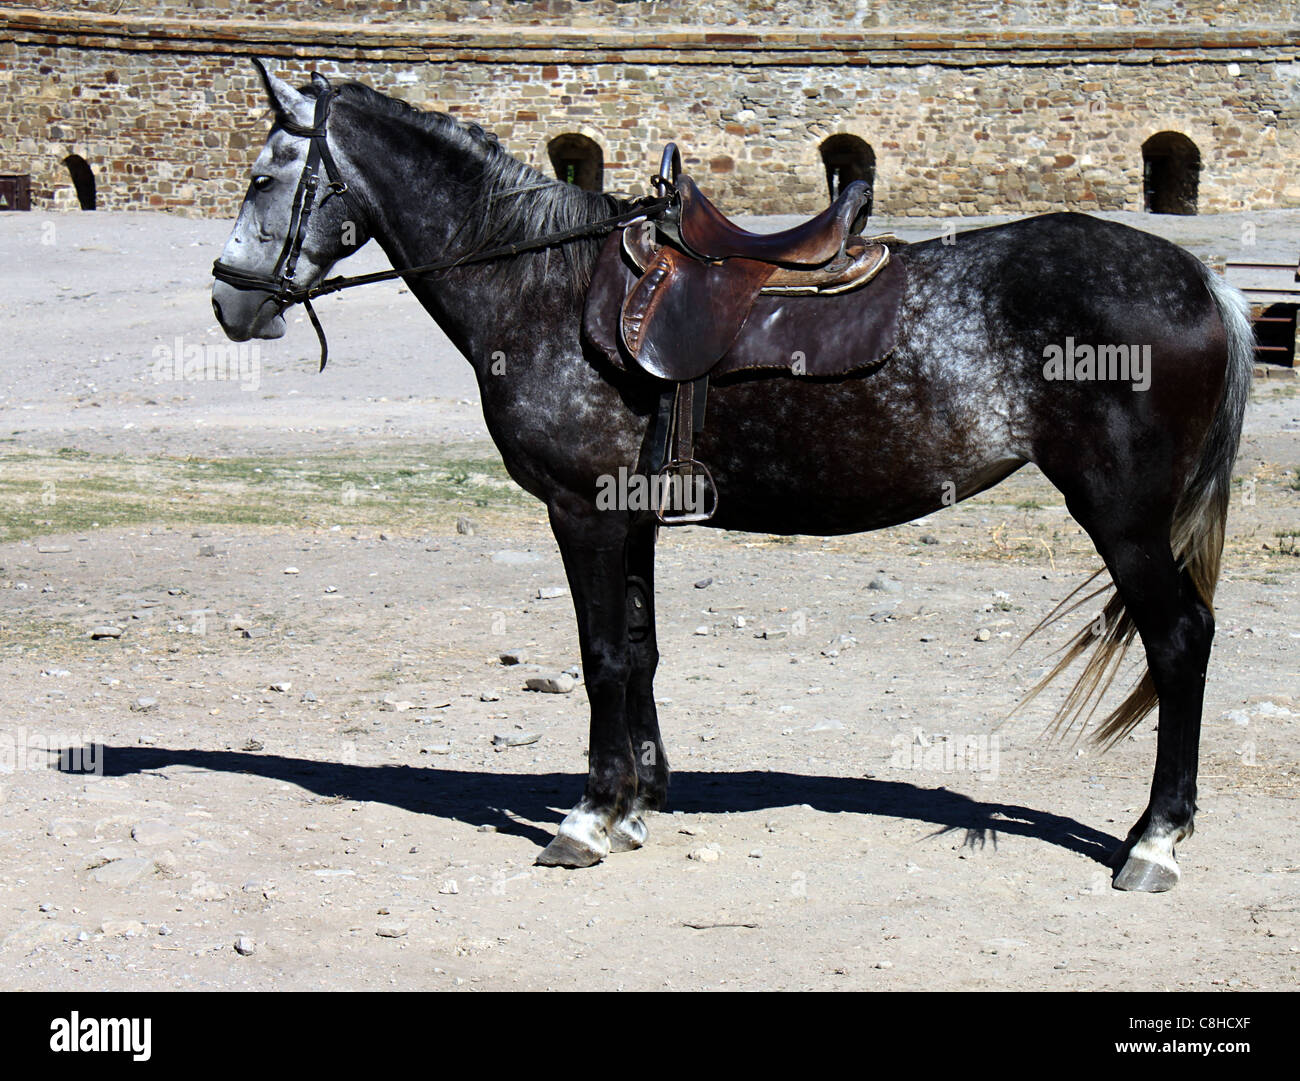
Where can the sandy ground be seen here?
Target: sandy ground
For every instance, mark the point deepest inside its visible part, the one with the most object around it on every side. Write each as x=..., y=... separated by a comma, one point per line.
x=330, y=793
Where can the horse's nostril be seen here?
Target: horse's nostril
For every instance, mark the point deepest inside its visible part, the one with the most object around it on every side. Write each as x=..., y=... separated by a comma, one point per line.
x=216, y=308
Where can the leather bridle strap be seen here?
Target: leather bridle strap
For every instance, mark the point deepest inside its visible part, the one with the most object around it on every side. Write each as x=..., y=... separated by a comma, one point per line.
x=280, y=284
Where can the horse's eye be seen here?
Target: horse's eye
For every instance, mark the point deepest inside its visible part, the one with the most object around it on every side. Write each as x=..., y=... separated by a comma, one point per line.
x=261, y=183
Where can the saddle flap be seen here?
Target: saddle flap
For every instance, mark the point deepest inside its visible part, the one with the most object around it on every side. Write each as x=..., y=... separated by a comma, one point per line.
x=682, y=315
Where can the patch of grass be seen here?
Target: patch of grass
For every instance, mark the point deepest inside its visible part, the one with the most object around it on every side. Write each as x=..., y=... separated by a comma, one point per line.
x=71, y=491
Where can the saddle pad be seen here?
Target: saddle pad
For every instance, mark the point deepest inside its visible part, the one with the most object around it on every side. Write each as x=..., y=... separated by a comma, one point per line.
x=780, y=333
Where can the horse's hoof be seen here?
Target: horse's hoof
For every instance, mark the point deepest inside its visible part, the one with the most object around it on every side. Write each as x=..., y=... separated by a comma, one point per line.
x=580, y=841
x=628, y=833
x=1140, y=875
x=569, y=852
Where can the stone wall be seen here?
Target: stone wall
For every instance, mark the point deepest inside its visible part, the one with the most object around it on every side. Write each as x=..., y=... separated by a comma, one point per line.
x=169, y=113
x=828, y=13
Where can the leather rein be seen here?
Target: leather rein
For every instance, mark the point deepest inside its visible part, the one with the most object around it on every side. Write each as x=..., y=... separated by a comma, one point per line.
x=280, y=283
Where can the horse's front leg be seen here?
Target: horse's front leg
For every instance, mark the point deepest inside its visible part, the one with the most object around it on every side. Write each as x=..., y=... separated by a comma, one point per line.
x=642, y=720
x=593, y=546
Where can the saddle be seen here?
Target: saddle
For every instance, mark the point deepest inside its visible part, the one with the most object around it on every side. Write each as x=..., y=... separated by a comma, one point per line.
x=687, y=295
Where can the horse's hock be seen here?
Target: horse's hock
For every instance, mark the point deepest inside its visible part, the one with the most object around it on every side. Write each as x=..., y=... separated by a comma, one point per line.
x=945, y=110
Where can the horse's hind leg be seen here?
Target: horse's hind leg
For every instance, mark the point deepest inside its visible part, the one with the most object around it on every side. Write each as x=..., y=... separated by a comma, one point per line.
x=1176, y=628
x=642, y=719
x=593, y=545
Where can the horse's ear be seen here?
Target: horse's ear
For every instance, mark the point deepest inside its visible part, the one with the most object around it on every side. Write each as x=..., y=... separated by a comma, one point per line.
x=284, y=100
x=320, y=82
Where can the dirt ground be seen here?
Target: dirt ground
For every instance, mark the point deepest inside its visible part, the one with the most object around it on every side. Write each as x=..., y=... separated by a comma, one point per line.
x=317, y=772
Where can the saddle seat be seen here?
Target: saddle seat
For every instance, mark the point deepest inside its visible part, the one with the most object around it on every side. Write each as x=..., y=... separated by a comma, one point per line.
x=709, y=234
x=687, y=296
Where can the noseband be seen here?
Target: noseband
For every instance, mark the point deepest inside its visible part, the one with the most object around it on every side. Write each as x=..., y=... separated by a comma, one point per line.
x=280, y=284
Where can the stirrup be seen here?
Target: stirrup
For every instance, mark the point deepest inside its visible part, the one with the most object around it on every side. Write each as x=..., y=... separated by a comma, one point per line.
x=664, y=488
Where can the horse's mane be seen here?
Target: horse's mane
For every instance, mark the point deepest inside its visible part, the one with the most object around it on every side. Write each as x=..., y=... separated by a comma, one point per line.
x=513, y=201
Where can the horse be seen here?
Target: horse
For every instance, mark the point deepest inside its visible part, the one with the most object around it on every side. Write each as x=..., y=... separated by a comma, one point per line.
x=966, y=397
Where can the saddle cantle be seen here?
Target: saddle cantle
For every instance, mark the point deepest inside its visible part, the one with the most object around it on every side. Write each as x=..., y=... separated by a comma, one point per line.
x=688, y=296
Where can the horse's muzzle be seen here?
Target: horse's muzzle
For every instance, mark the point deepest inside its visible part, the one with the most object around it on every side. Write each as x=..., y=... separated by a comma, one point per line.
x=247, y=313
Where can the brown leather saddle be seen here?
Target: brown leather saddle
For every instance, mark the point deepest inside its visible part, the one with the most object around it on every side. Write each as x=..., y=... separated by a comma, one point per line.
x=688, y=295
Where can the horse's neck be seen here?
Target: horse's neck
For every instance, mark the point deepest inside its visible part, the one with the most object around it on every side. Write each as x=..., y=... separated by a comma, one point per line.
x=482, y=312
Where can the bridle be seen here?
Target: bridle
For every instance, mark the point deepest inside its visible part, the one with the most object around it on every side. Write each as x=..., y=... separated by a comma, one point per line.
x=280, y=284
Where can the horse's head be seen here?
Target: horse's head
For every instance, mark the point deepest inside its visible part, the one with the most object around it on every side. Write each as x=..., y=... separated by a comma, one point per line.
x=291, y=229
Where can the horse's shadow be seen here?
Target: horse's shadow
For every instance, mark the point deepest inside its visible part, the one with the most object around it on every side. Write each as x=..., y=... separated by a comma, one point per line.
x=513, y=802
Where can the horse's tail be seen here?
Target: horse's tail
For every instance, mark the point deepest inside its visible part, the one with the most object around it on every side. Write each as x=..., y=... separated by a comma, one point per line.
x=1196, y=538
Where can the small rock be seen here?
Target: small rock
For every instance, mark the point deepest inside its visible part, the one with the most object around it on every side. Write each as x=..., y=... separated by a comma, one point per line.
x=513, y=656
x=560, y=683
x=708, y=854
x=552, y=593
x=282, y=686
x=983, y=634
x=884, y=584
x=515, y=559
x=153, y=831
x=464, y=526
x=929, y=538
x=256, y=632
x=144, y=704
x=449, y=887
x=122, y=872
x=436, y=748
x=121, y=928
x=41, y=933
x=884, y=964
x=704, y=583
x=253, y=745
x=245, y=946
x=515, y=739
x=489, y=696
x=291, y=570
x=703, y=630
x=839, y=645
x=392, y=705
x=392, y=930
x=106, y=631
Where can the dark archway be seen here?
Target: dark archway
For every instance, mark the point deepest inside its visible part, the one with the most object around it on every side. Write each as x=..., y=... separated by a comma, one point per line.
x=577, y=160
x=1171, y=174
x=83, y=179
x=848, y=158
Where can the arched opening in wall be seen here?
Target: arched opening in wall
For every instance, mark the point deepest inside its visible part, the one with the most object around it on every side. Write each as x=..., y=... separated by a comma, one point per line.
x=1171, y=174
x=848, y=158
x=83, y=179
x=577, y=160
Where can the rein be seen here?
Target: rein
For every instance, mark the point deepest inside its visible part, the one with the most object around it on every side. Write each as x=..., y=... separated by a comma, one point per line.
x=280, y=284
